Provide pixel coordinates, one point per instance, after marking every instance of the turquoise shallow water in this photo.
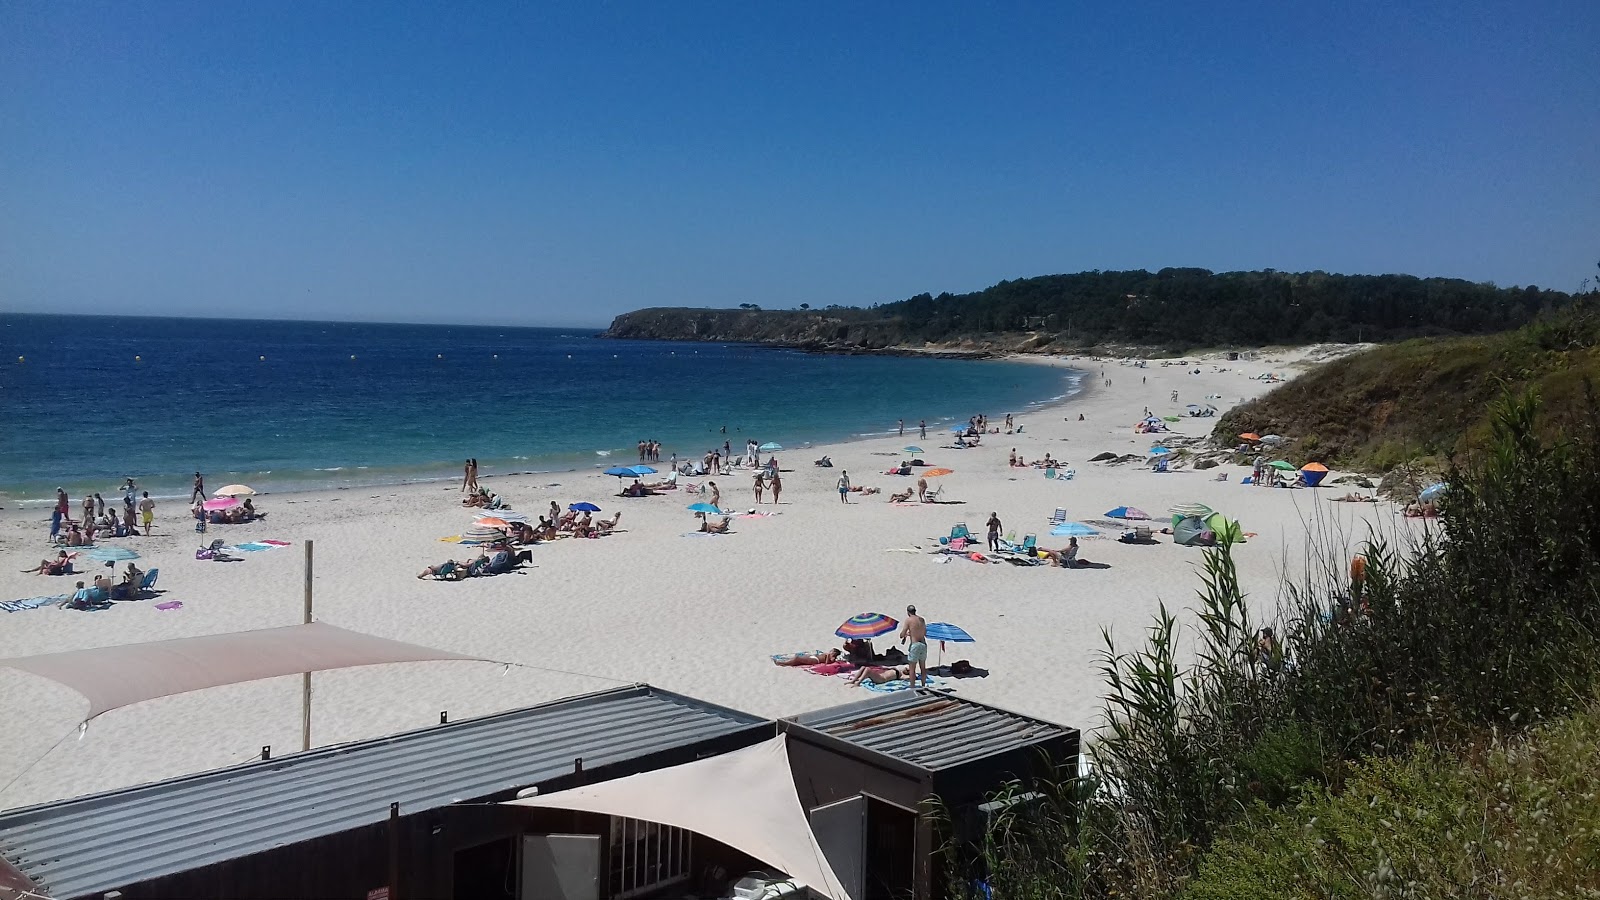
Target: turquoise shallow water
(85, 401)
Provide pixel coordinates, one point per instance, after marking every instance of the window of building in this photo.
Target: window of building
(646, 856)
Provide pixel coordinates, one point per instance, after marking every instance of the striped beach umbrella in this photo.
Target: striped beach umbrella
(866, 625)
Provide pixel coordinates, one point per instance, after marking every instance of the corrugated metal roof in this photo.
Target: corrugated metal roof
(928, 729)
(98, 843)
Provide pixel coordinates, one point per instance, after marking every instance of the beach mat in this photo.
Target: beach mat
(32, 602)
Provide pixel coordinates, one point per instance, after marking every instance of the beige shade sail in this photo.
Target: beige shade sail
(121, 675)
(745, 799)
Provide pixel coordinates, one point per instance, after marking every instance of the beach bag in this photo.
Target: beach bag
(961, 667)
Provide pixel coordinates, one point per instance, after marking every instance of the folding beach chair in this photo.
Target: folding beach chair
(934, 495)
(149, 582)
(960, 531)
(1030, 543)
(1059, 516)
(1050, 473)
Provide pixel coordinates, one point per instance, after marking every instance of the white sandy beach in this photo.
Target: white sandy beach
(696, 614)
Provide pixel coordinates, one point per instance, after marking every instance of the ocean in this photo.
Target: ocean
(88, 400)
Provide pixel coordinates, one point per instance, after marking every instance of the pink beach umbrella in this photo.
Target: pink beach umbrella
(220, 503)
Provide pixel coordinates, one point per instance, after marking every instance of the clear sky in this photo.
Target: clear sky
(534, 164)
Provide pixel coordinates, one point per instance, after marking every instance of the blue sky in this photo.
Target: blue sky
(534, 164)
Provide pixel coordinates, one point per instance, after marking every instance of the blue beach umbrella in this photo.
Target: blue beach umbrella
(1433, 491)
(1127, 512)
(112, 554)
(584, 506)
(1074, 529)
(704, 508)
(1159, 451)
(960, 429)
(911, 449)
(944, 631)
(642, 470)
(621, 471)
(770, 446)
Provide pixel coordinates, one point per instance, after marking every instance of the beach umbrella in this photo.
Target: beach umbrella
(493, 522)
(1314, 467)
(621, 471)
(866, 625)
(1433, 491)
(1159, 451)
(1272, 439)
(501, 516)
(912, 449)
(1074, 529)
(112, 554)
(1192, 509)
(235, 490)
(482, 535)
(937, 472)
(1250, 436)
(770, 447)
(945, 632)
(704, 508)
(1313, 473)
(583, 506)
(960, 429)
(1282, 464)
(220, 503)
(1127, 512)
(1169, 418)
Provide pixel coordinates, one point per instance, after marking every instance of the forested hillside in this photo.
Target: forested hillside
(1175, 309)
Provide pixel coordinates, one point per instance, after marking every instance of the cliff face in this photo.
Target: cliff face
(831, 331)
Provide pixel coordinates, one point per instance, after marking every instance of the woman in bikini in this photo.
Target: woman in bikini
(806, 659)
(881, 674)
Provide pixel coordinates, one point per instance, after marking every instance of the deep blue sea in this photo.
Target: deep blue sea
(88, 400)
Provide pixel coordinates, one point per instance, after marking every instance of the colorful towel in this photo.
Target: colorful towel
(31, 603)
(833, 668)
(170, 604)
(892, 686)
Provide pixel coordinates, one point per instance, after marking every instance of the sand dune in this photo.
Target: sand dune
(695, 614)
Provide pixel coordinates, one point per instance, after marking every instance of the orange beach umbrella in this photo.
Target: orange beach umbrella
(935, 473)
(1250, 436)
(1313, 467)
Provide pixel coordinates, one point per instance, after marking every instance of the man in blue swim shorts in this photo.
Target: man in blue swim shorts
(915, 630)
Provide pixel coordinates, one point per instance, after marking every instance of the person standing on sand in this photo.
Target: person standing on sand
(902, 427)
(994, 531)
(777, 485)
(88, 508)
(198, 493)
(58, 513)
(466, 475)
(844, 486)
(99, 506)
(758, 486)
(922, 490)
(915, 630)
(147, 510)
(922, 429)
(716, 494)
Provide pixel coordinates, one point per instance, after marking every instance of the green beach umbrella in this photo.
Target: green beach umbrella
(1283, 464)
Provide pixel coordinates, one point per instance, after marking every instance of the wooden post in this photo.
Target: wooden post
(305, 677)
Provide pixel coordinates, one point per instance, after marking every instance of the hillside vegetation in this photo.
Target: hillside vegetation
(1173, 309)
(1427, 397)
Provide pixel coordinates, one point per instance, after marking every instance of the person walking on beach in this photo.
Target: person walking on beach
(777, 485)
(902, 427)
(922, 429)
(758, 486)
(466, 475)
(99, 506)
(716, 494)
(88, 508)
(198, 494)
(147, 510)
(844, 486)
(58, 513)
(994, 532)
(915, 631)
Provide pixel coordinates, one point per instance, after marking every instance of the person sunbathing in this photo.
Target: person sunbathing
(61, 565)
(1066, 557)
(449, 570)
(719, 528)
(902, 497)
(807, 659)
(606, 526)
(1355, 498)
(881, 674)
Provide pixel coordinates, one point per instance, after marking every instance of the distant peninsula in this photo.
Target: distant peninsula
(1170, 310)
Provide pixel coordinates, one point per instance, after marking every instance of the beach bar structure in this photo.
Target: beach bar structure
(865, 771)
(409, 816)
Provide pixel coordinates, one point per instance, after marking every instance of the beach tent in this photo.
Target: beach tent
(1313, 473)
(745, 799)
(1227, 530)
(1187, 531)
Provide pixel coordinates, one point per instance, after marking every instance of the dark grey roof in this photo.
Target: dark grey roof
(105, 841)
(929, 729)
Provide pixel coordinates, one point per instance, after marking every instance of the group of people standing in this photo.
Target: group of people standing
(96, 519)
(650, 450)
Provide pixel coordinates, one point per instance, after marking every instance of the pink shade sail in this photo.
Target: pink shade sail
(220, 503)
(125, 674)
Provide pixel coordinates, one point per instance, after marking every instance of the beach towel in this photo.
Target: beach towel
(170, 604)
(32, 602)
(833, 668)
(780, 657)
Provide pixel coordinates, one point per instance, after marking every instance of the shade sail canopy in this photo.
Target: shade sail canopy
(125, 674)
(745, 799)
